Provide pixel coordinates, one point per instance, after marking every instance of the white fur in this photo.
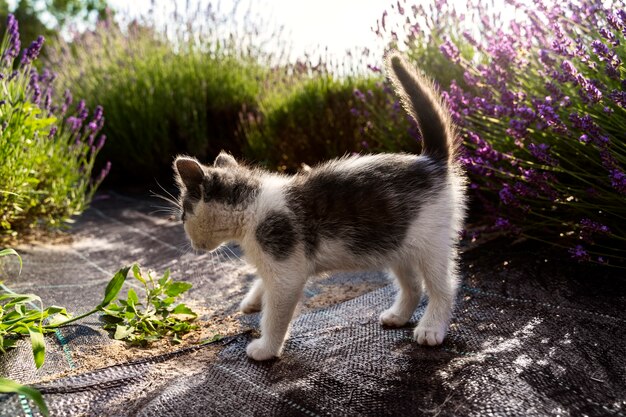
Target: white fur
(424, 261)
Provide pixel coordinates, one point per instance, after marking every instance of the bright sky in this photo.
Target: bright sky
(336, 24)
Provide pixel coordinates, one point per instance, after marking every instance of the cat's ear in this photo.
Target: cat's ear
(189, 171)
(225, 160)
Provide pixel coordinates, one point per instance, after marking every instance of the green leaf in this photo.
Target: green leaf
(9, 251)
(184, 310)
(57, 310)
(132, 297)
(39, 346)
(164, 278)
(9, 386)
(177, 288)
(215, 338)
(114, 286)
(7, 343)
(137, 274)
(58, 319)
(122, 332)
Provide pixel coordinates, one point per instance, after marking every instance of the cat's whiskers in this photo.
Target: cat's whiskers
(175, 208)
(234, 254)
(222, 252)
(213, 261)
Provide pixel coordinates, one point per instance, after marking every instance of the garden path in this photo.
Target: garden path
(533, 334)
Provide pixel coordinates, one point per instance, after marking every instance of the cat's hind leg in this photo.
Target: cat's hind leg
(408, 297)
(438, 267)
(253, 300)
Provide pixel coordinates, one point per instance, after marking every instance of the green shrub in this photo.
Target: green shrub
(47, 155)
(163, 97)
(319, 118)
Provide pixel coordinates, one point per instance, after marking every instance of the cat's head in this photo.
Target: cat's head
(213, 199)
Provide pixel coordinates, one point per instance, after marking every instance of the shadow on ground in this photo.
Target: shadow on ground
(533, 334)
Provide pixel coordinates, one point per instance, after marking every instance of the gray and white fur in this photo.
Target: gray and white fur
(397, 211)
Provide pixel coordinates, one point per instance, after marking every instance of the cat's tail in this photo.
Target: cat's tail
(422, 101)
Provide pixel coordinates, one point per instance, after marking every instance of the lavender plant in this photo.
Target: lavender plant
(47, 149)
(166, 90)
(540, 107)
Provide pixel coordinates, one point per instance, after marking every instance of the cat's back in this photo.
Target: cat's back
(367, 202)
(376, 173)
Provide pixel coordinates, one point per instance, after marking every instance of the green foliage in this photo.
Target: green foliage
(23, 314)
(9, 386)
(46, 164)
(20, 316)
(318, 118)
(162, 98)
(155, 316)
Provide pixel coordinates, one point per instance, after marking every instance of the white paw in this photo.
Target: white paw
(249, 306)
(430, 335)
(258, 351)
(391, 319)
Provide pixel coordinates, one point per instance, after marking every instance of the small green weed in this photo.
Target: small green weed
(23, 314)
(141, 322)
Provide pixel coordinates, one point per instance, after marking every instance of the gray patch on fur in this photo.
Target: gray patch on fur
(277, 235)
(233, 188)
(368, 208)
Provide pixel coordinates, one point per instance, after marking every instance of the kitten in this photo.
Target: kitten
(397, 211)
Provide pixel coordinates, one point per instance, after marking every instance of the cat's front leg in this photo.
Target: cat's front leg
(253, 301)
(279, 302)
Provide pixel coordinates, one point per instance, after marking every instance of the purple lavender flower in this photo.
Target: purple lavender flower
(400, 8)
(600, 49)
(53, 131)
(507, 196)
(541, 152)
(67, 101)
(503, 52)
(101, 142)
(569, 69)
(74, 123)
(609, 36)
(619, 97)
(470, 38)
(34, 87)
(32, 52)
(618, 180)
(359, 95)
(502, 223)
(589, 228)
(450, 51)
(13, 32)
(105, 171)
(579, 253)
